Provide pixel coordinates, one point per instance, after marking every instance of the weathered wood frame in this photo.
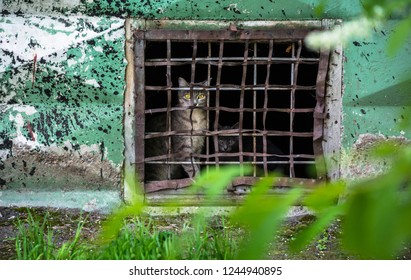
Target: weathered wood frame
(322, 115)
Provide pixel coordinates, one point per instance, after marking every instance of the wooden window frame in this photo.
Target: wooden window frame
(328, 83)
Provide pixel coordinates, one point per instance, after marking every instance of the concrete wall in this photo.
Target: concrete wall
(62, 73)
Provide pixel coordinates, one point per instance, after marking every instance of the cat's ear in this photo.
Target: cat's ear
(236, 126)
(205, 83)
(182, 82)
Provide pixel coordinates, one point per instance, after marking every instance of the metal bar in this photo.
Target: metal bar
(254, 107)
(233, 87)
(241, 120)
(294, 77)
(161, 158)
(193, 75)
(160, 61)
(140, 103)
(226, 63)
(193, 65)
(291, 116)
(169, 99)
(265, 110)
(217, 100)
(234, 110)
(208, 102)
(229, 162)
(212, 133)
(227, 35)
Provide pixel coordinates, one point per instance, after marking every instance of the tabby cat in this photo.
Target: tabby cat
(185, 145)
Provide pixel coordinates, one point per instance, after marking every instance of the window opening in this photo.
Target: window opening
(219, 97)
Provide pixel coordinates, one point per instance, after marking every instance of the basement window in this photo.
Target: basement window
(255, 96)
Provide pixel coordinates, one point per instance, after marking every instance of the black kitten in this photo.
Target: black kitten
(230, 144)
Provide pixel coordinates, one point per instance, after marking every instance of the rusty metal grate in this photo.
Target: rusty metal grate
(264, 80)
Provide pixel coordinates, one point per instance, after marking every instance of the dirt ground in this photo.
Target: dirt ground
(64, 223)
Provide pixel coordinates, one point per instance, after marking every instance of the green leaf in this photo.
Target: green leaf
(325, 196)
(112, 226)
(377, 222)
(385, 149)
(399, 37)
(263, 213)
(323, 220)
(215, 180)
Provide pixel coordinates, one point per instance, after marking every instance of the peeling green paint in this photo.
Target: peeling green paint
(191, 9)
(219, 10)
(376, 96)
(61, 108)
(78, 90)
(50, 29)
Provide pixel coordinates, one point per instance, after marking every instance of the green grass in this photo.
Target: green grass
(35, 241)
(140, 238)
(137, 240)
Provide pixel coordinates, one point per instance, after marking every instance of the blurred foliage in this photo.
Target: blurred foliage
(263, 213)
(197, 241)
(375, 13)
(112, 226)
(376, 213)
(397, 9)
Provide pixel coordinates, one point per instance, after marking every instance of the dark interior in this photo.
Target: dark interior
(280, 75)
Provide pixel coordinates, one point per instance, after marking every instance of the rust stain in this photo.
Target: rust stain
(34, 69)
(30, 131)
(233, 27)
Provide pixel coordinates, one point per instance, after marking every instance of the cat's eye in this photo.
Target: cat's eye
(201, 96)
(187, 96)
